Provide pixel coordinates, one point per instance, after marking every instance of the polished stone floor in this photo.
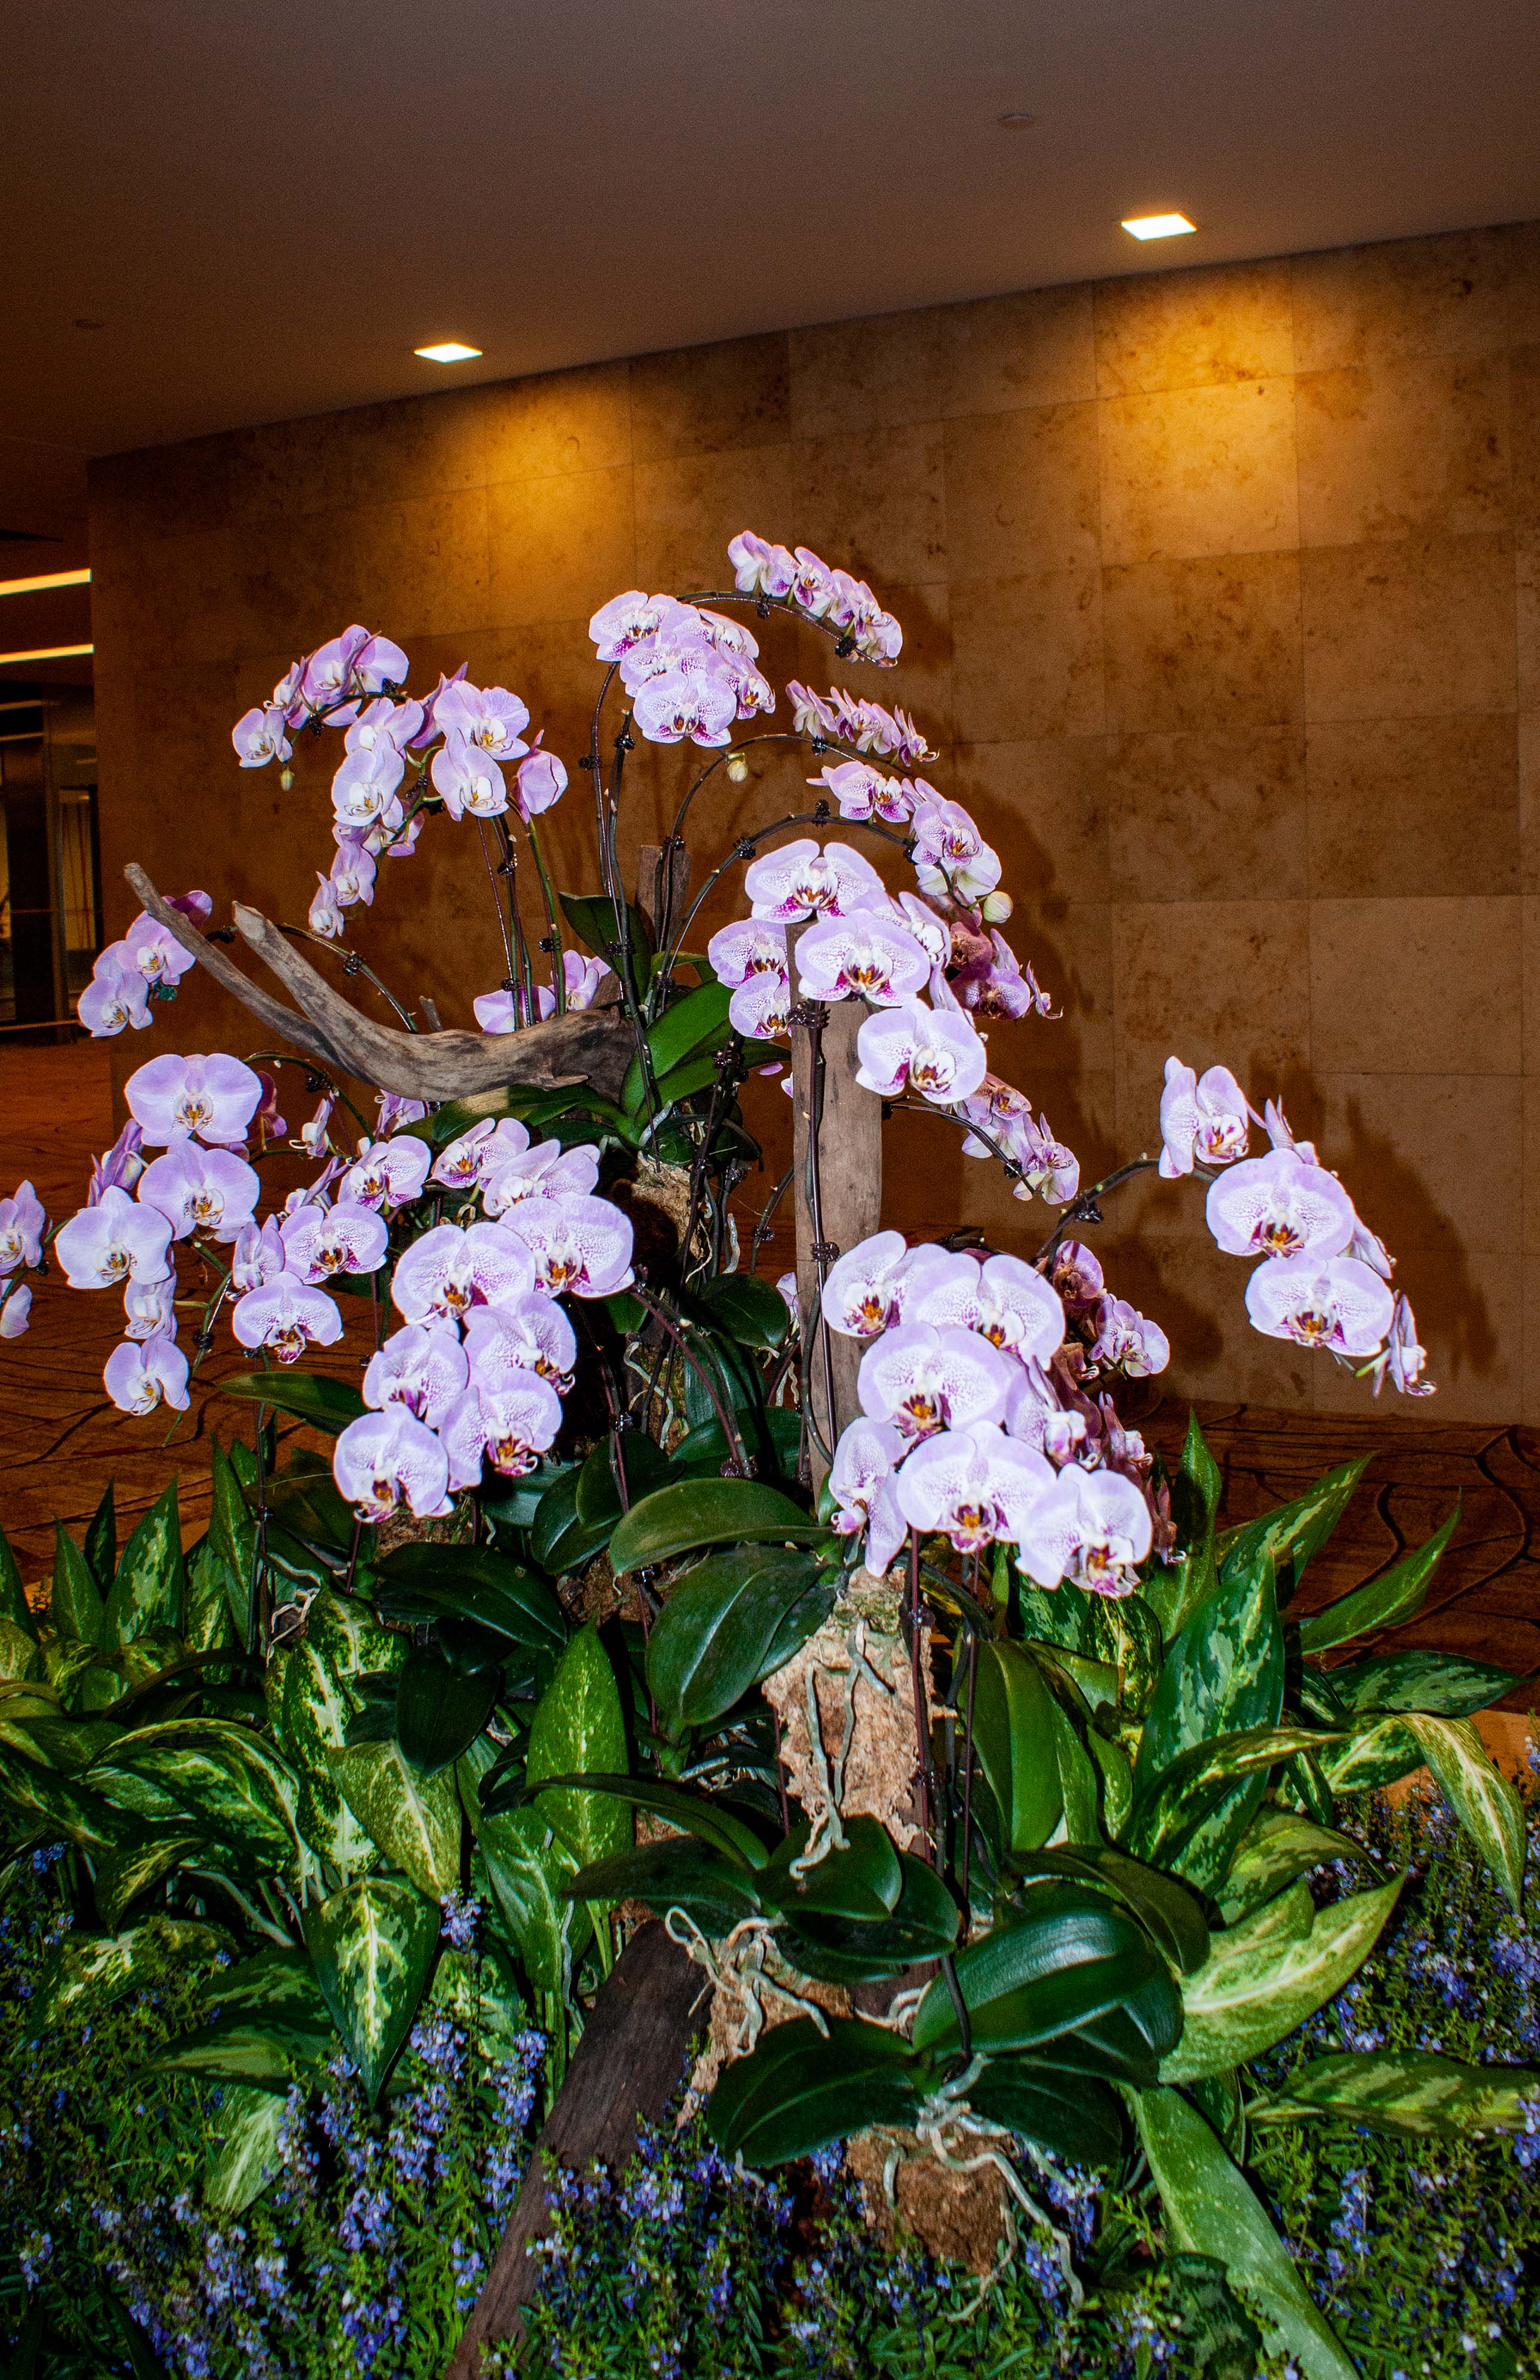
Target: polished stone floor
(60, 1438)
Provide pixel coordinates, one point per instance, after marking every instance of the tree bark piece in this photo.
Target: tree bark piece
(587, 1045)
(624, 2071)
(849, 1183)
(660, 899)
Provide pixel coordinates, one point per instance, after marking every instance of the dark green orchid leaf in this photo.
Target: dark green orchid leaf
(863, 1881)
(727, 1830)
(750, 1310)
(436, 1583)
(701, 1512)
(799, 2090)
(1013, 1738)
(923, 1924)
(721, 1631)
(1068, 1955)
(599, 1502)
(311, 1397)
(1072, 2116)
(1167, 1910)
(440, 1706)
(675, 1873)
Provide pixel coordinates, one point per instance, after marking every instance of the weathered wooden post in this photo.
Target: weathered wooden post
(839, 1199)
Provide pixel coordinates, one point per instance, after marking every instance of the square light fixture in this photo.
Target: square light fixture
(449, 351)
(1157, 226)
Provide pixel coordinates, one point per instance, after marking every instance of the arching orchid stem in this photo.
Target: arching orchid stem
(503, 922)
(316, 1074)
(815, 1018)
(737, 1452)
(727, 1075)
(968, 1777)
(353, 1553)
(558, 952)
(765, 1225)
(917, 1676)
(749, 744)
(1084, 1208)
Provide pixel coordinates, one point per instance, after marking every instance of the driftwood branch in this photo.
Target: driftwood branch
(623, 2072)
(591, 1045)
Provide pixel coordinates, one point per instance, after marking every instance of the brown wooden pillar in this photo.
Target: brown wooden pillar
(850, 1198)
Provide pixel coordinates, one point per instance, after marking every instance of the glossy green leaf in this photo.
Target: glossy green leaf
(209, 1623)
(277, 1986)
(1223, 1673)
(697, 1023)
(440, 1706)
(863, 1880)
(1168, 1818)
(708, 1512)
(700, 1815)
(1443, 1684)
(579, 1725)
(798, 2091)
(1015, 1741)
(1291, 1535)
(71, 1812)
(311, 1397)
(14, 1605)
(1263, 1977)
(701, 1452)
(1396, 1594)
(343, 1641)
(372, 1944)
(1211, 2210)
(1482, 1798)
(1174, 1590)
(257, 2057)
(750, 1310)
(123, 1875)
(244, 2152)
(923, 1925)
(102, 1541)
(1378, 1750)
(598, 1501)
(1165, 1908)
(1116, 1773)
(527, 1867)
(1277, 1846)
(1071, 2116)
(558, 1540)
(412, 1816)
(303, 1498)
(151, 1587)
(1411, 2092)
(76, 1608)
(428, 1582)
(674, 1872)
(1063, 1957)
(596, 921)
(226, 1781)
(104, 1967)
(716, 1635)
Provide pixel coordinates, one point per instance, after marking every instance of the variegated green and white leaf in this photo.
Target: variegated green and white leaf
(1263, 1977)
(526, 1866)
(1483, 1801)
(244, 2158)
(413, 1818)
(341, 1641)
(1407, 2091)
(579, 1730)
(372, 1945)
(227, 1781)
(1277, 1846)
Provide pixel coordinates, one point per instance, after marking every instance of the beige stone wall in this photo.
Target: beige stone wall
(1222, 593)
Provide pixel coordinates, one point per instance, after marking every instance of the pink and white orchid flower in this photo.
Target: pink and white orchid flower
(1403, 1357)
(1320, 1300)
(493, 720)
(510, 1428)
(1005, 1300)
(387, 1174)
(213, 1098)
(22, 1225)
(540, 781)
(974, 1484)
(863, 792)
(524, 1335)
(423, 1367)
(749, 947)
(447, 1271)
(116, 1240)
(761, 1009)
(923, 1380)
(154, 952)
(258, 1256)
(116, 997)
(1128, 1342)
(800, 880)
(1278, 1206)
(760, 568)
(286, 1315)
(1092, 1528)
(862, 1290)
(865, 1460)
(1001, 984)
(1077, 1276)
(910, 1047)
(389, 1459)
(16, 1310)
(1205, 1120)
(138, 1378)
(468, 779)
(510, 1173)
(866, 955)
(259, 736)
(580, 1246)
(201, 1189)
(149, 1309)
(681, 703)
(320, 1241)
(951, 855)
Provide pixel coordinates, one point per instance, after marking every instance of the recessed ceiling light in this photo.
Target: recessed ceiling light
(1015, 119)
(448, 351)
(1157, 226)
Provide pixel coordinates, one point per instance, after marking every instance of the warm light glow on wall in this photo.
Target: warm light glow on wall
(41, 585)
(449, 351)
(1157, 226)
(47, 653)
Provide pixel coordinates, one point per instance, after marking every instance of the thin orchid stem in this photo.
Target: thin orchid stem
(737, 1451)
(558, 952)
(922, 1747)
(354, 962)
(497, 911)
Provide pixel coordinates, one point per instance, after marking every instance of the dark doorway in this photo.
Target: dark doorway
(49, 875)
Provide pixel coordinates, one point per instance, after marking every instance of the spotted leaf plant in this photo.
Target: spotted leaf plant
(985, 1771)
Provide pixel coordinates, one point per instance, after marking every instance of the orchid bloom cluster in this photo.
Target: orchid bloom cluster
(356, 682)
(975, 1418)
(689, 673)
(1324, 1281)
(807, 585)
(147, 960)
(23, 1228)
(475, 1373)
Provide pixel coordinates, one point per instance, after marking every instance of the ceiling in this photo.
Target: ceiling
(217, 216)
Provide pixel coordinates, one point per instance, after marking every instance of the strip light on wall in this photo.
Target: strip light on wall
(47, 653)
(41, 585)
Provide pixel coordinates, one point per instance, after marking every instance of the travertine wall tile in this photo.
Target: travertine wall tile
(1392, 449)
(1199, 471)
(1414, 806)
(1449, 971)
(1208, 327)
(1395, 630)
(1238, 672)
(1209, 643)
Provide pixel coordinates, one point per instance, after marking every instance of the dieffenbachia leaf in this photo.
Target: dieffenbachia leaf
(1175, 1590)
(1384, 1602)
(76, 1606)
(372, 1945)
(1222, 1673)
(151, 1587)
(1263, 1977)
(341, 1641)
(244, 2153)
(1211, 2210)
(227, 1781)
(1277, 1846)
(527, 1864)
(1292, 1535)
(579, 1725)
(1408, 2090)
(413, 1818)
(1483, 1801)
(1446, 1685)
(1177, 1801)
